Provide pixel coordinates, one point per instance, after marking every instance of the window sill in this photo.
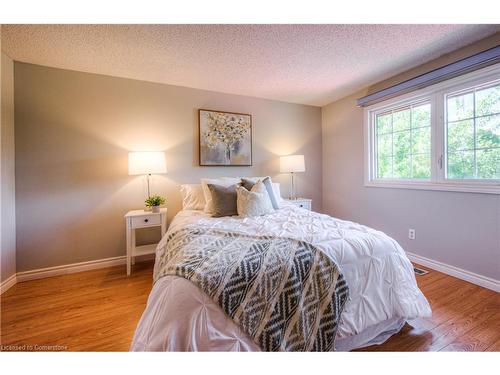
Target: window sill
(443, 186)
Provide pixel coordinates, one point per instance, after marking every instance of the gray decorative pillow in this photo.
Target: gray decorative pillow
(248, 184)
(223, 199)
(255, 202)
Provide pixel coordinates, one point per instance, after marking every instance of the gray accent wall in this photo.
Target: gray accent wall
(74, 131)
(7, 186)
(458, 229)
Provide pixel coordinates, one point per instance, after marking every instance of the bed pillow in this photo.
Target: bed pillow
(255, 202)
(223, 200)
(192, 197)
(248, 183)
(277, 192)
(227, 181)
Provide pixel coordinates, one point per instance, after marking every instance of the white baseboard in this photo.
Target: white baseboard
(75, 267)
(474, 278)
(8, 283)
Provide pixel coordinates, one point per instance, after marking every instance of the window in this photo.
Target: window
(443, 137)
(404, 142)
(473, 134)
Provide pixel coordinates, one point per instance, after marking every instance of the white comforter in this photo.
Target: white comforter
(380, 277)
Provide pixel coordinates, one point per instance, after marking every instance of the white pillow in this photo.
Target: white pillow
(192, 197)
(277, 192)
(226, 181)
(276, 188)
(255, 202)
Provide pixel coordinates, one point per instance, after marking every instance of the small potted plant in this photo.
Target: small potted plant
(155, 202)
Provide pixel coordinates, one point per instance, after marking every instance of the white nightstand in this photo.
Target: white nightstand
(301, 202)
(142, 219)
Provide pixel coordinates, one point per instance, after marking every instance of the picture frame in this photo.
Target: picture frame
(225, 138)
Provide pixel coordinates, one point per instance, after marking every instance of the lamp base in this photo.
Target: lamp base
(292, 187)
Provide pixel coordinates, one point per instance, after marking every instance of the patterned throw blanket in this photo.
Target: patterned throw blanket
(285, 294)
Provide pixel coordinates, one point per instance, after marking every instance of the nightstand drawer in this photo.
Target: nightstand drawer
(145, 221)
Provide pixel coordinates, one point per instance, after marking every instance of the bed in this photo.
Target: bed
(383, 293)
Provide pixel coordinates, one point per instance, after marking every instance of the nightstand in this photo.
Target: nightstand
(301, 202)
(142, 219)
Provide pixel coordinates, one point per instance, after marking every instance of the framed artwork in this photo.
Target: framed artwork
(225, 138)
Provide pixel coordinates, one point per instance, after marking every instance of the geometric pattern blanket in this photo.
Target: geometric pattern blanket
(285, 294)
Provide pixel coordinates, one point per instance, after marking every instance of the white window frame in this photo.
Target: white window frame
(436, 95)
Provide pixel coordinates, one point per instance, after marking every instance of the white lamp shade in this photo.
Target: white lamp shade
(292, 163)
(146, 162)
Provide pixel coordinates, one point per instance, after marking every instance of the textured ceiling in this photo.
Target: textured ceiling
(308, 64)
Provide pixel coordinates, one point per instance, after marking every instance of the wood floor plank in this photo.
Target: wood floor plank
(98, 311)
(465, 343)
(489, 330)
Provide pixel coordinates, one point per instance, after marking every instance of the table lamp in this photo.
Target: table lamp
(147, 163)
(292, 164)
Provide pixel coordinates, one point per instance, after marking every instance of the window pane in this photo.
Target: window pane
(384, 167)
(401, 120)
(488, 163)
(401, 143)
(401, 134)
(461, 164)
(384, 145)
(384, 124)
(421, 141)
(402, 168)
(421, 116)
(488, 132)
(461, 135)
(488, 101)
(421, 166)
(473, 144)
(460, 107)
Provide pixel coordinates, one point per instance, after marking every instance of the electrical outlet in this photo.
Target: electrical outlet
(411, 234)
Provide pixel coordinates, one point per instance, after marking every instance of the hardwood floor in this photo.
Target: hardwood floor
(88, 311)
(465, 317)
(98, 311)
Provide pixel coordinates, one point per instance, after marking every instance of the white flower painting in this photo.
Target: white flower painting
(225, 138)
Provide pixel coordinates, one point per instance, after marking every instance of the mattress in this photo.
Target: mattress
(383, 293)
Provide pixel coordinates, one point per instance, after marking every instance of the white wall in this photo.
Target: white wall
(8, 210)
